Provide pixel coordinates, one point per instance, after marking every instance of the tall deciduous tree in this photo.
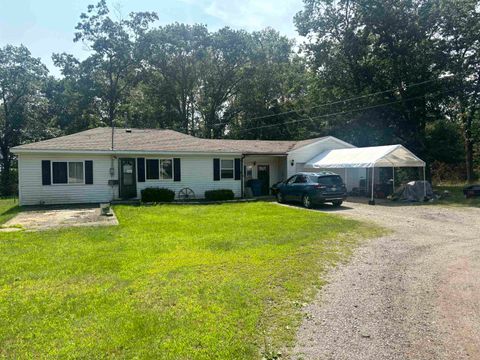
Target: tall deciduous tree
(113, 67)
(276, 84)
(174, 57)
(226, 66)
(459, 43)
(360, 47)
(21, 77)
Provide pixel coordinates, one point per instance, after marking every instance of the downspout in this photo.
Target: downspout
(112, 175)
(242, 176)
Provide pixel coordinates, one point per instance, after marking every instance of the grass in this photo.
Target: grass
(8, 209)
(456, 197)
(171, 282)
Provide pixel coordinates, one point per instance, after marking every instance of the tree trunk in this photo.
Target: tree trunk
(469, 157)
(468, 139)
(5, 181)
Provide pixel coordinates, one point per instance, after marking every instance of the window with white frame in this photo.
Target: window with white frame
(226, 169)
(156, 169)
(68, 172)
(166, 169)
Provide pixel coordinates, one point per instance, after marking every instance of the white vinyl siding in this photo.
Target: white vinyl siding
(32, 192)
(196, 174)
(304, 154)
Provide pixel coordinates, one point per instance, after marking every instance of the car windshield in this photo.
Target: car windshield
(330, 180)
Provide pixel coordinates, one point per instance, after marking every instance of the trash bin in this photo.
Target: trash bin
(256, 186)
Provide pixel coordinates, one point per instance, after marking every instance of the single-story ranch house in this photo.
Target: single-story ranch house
(99, 165)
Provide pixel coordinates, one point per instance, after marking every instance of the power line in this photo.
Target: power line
(343, 112)
(344, 100)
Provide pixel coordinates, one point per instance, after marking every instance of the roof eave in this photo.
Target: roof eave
(121, 152)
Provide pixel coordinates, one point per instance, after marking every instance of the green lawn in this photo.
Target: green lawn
(456, 197)
(171, 282)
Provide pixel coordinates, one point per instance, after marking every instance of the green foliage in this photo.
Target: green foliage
(156, 195)
(21, 103)
(174, 54)
(275, 84)
(365, 48)
(369, 47)
(219, 195)
(455, 196)
(447, 172)
(113, 68)
(459, 44)
(170, 282)
(444, 143)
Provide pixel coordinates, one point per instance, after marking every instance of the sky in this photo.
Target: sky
(47, 26)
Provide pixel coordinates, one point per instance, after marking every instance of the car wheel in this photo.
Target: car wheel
(307, 201)
(337, 203)
(280, 198)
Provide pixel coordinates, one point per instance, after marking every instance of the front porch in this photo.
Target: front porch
(262, 172)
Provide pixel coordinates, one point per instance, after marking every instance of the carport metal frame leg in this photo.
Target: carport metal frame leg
(372, 200)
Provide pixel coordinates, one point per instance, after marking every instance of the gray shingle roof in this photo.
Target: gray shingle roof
(153, 140)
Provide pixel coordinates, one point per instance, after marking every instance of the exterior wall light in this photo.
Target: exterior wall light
(292, 162)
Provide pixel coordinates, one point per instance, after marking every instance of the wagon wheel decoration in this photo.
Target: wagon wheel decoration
(186, 193)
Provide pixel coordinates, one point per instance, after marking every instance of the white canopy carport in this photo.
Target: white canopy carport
(367, 157)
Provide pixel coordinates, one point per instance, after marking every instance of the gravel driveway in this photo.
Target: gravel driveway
(414, 294)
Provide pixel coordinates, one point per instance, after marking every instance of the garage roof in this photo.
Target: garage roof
(366, 157)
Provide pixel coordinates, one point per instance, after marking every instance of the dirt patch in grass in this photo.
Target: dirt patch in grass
(50, 219)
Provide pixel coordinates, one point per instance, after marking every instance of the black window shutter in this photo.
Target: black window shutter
(216, 169)
(88, 172)
(46, 173)
(237, 169)
(177, 175)
(141, 169)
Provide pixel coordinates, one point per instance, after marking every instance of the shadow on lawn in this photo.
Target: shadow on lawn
(320, 207)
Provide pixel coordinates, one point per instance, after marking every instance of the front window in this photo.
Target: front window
(152, 169)
(166, 169)
(75, 172)
(159, 169)
(226, 169)
(64, 172)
